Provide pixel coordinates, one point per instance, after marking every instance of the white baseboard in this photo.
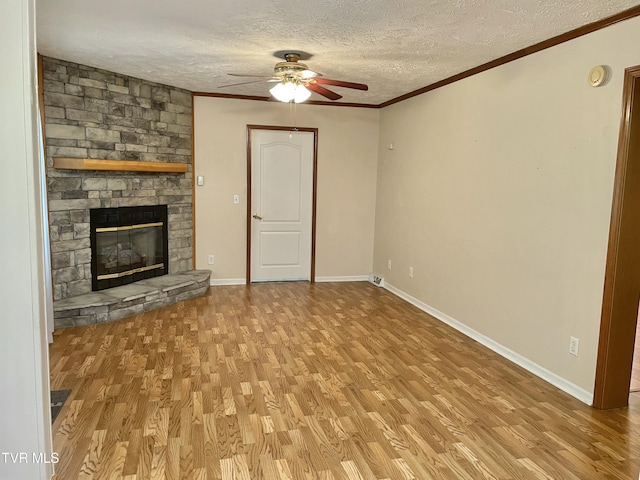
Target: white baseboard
(555, 380)
(357, 278)
(227, 281)
(242, 281)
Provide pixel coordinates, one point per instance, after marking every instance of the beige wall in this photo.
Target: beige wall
(347, 163)
(498, 193)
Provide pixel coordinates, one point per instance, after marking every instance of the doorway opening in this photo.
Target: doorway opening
(635, 369)
(281, 203)
(622, 276)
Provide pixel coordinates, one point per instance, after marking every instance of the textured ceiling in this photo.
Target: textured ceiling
(393, 46)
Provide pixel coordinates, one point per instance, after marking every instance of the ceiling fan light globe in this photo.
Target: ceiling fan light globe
(289, 91)
(302, 94)
(282, 92)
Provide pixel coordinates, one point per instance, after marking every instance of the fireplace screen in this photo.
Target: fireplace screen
(127, 244)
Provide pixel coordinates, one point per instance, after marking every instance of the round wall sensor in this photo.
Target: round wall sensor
(597, 76)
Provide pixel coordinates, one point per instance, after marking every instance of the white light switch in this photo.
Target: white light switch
(236, 199)
(200, 180)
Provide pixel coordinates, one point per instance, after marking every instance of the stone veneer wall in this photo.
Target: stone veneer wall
(92, 113)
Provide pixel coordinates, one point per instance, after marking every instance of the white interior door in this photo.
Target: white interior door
(281, 204)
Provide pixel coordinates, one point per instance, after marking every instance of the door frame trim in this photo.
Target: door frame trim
(250, 128)
(621, 282)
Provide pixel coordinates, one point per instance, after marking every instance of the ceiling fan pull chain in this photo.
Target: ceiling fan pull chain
(292, 116)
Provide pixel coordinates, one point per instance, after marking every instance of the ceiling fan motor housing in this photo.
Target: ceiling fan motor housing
(291, 68)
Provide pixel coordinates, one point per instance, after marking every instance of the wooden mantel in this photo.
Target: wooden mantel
(66, 163)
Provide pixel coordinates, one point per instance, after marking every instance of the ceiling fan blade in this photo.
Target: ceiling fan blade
(249, 75)
(340, 83)
(245, 83)
(310, 74)
(314, 87)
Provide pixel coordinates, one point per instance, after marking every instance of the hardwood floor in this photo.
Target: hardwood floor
(325, 381)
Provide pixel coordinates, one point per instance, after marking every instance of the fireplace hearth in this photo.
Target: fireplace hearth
(128, 244)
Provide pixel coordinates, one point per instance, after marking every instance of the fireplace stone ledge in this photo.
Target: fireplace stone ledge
(120, 302)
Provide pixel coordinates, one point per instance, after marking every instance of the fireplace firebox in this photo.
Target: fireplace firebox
(128, 244)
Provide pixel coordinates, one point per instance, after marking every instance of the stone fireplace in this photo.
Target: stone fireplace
(99, 116)
(120, 194)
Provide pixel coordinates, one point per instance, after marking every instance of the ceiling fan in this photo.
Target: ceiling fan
(295, 82)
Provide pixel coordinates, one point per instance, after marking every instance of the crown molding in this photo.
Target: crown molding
(271, 99)
(552, 42)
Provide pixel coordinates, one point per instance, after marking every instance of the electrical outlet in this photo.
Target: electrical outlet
(388, 264)
(212, 260)
(574, 345)
(410, 272)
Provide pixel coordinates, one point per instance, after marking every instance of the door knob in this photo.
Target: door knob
(257, 217)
